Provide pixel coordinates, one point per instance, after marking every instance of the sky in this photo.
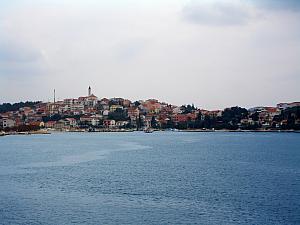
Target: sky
(212, 53)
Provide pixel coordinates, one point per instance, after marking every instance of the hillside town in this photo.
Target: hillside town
(90, 113)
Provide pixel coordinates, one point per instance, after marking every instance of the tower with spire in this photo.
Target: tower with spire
(89, 91)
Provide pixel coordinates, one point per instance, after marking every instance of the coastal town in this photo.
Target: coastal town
(90, 113)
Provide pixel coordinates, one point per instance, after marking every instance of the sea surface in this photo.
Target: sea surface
(157, 178)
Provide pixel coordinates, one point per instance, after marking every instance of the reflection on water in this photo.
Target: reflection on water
(67, 160)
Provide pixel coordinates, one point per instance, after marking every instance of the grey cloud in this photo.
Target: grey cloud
(216, 14)
(18, 58)
(19, 69)
(292, 5)
(12, 51)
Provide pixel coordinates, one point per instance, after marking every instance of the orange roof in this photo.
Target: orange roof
(271, 109)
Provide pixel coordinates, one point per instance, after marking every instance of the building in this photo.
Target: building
(109, 123)
(121, 123)
(133, 112)
(90, 120)
(7, 123)
(115, 107)
(152, 106)
(284, 106)
(50, 124)
(71, 122)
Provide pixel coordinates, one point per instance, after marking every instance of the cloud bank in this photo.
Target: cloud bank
(210, 53)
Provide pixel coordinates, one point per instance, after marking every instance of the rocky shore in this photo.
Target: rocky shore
(25, 133)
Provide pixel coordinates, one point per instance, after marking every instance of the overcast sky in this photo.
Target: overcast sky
(214, 54)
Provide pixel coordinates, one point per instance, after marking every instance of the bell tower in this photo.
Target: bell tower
(89, 91)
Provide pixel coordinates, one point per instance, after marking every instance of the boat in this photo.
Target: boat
(24, 133)
(148, 130)
(91, 129)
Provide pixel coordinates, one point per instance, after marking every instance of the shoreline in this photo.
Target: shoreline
(44, 132)
(245, 131)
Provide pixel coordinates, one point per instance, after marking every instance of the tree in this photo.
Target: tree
(139, 122)
(232, 116)
(136, 103)
(153, 122)
(291, 115)
(187, 109)
(55, 117)
(7, 107)
(118, 115)
(255, 116)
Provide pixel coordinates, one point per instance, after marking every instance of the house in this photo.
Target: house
(90, 120)
(104, 107)
(71, 101)
(71, 122)
(18, 121)
(53, 108)
(152, 106)
(121, 123)
(133, 112)
(216, 113)
(77, 107)
(95, 122)
(115, 107)
(35, 123)
(109, 123)
(7, 123)
(59, 125)
(177, 118)
(26, 111)
(105, 113)
(89, 101)
(192, 116)
(104, 101)
(50, 124)
(273, 111)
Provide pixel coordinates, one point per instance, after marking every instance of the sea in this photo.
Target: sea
(150, 178)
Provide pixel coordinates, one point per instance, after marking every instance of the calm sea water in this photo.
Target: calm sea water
(158, 178)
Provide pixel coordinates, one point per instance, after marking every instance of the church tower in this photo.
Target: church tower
(89, 91)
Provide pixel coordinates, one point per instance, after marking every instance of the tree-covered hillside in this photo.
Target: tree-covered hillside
(7, 107)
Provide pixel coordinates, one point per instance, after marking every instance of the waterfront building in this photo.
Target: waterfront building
(109, 123)
(7, 123)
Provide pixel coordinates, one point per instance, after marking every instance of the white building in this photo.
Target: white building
(7, 123)
(283, 106)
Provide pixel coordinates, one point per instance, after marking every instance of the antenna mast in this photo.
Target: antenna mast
(54, 95)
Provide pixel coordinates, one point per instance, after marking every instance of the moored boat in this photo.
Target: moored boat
(148, 130)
